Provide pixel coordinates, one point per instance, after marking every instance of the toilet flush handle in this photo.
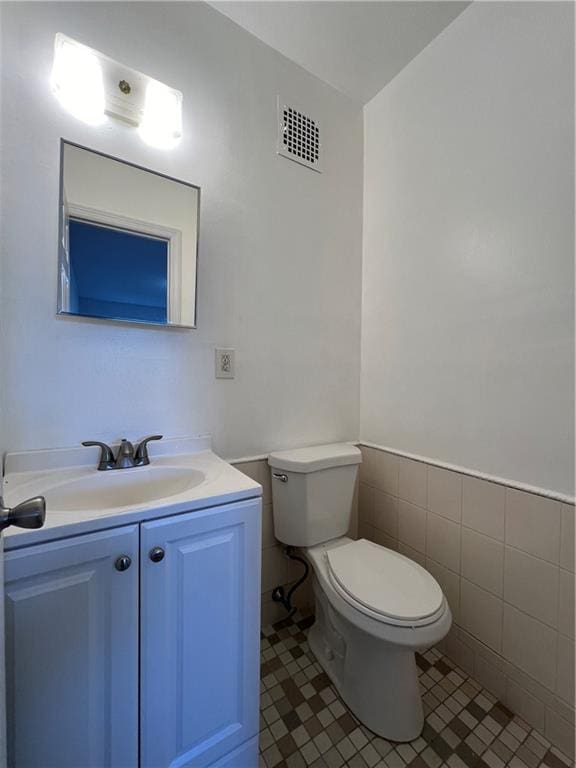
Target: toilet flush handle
(282, 478)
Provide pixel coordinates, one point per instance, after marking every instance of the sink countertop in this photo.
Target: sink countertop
(35, 473)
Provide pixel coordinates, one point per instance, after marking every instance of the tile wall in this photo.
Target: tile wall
(505, 560)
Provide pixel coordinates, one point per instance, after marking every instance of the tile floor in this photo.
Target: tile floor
(305, 723)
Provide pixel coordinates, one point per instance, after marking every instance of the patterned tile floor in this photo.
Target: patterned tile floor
(305, 723)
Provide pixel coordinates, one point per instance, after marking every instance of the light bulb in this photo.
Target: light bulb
(77, 80)
(161, 124)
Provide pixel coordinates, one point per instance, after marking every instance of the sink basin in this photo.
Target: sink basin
(121, 488)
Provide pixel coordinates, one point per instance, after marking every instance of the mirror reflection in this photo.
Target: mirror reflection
(128, 241)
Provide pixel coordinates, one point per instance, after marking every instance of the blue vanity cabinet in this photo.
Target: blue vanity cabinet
(200, 635)
(72, 652)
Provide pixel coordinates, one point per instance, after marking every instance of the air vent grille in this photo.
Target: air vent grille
(298, 136)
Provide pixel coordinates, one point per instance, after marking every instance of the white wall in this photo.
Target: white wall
(280, 246)
(467, 339)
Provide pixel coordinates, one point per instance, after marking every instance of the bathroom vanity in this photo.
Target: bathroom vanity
(133, 631)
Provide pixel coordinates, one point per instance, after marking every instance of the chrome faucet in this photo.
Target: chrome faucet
(126, 457)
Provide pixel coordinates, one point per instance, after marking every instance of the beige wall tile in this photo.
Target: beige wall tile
(277, 568)
(365, 531)
(379, 469)
(528, 683)
(483, 561)
(533, 524)
(459, 652)
(365, 504)
(247, 468)
(412, 484)
(304, 596)
(386, 513)
(565, 676)
(413, 554)
(268, 539)
(445, 493)
(367, 471)
(531, 584)
(384, 540)
(519, 701)
(559, 732)
(483, 506)
(480, 649)
(386, 472)
(481, 614)
(490, 677)
(272, 612)
(450, 584)
(260, 472)
(566, 603)
(443, 541)
(565, 710)
(530, 645)
(266, 482)
(567, 537)
(412, 525)
(353, 526)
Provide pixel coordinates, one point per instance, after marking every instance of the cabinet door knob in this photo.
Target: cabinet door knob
(123, 563)
(156, 554)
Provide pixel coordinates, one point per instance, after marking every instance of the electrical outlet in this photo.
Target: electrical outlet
(225, 363)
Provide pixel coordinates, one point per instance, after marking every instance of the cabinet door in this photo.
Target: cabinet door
(200, 634)
(72, 653)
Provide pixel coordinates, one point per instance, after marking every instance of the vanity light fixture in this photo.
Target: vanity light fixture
(92, 87)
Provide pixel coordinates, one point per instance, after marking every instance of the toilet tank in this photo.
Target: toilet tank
(313, 492)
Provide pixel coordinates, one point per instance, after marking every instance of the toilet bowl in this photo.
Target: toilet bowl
(368, 650)
(374, 607)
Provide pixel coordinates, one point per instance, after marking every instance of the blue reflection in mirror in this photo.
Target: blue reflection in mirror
(116, 273)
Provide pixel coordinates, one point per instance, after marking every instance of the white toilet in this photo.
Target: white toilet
(374, 607)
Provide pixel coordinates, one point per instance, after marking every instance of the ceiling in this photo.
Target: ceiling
(355, 46)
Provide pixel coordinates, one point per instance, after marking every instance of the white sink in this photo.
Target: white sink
(183, 476)
(118, 488)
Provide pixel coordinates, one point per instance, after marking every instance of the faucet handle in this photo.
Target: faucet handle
(106, 454)
(28, 514)
(141, 457)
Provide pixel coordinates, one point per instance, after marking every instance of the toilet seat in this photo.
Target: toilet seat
(384, 584)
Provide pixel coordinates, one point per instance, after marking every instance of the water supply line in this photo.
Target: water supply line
(279, 594)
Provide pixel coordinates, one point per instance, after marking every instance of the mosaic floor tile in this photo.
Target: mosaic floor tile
(305, 723)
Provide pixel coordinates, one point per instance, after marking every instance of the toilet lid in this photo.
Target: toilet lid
(384, 581)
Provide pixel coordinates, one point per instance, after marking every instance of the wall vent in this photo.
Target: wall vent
(298, 136)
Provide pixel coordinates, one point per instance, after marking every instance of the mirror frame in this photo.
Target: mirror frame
(61, 225)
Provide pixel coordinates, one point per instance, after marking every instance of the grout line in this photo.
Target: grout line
(528, 554)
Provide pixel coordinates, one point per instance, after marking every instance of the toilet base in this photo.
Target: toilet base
(377, 680)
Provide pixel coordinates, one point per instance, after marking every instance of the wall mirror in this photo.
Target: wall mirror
(128, 241)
